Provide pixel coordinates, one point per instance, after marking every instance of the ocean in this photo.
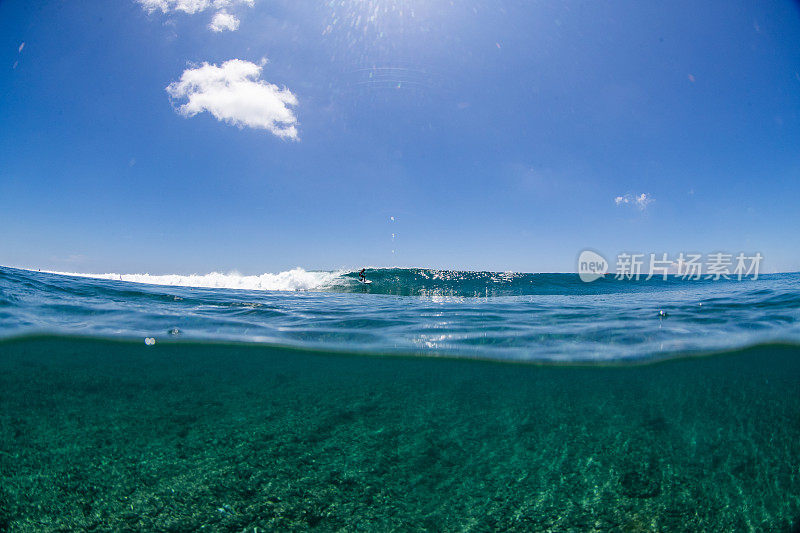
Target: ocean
(426, 400)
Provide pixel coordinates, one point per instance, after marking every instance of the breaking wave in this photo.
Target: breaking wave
(297, 279)
(422, 282)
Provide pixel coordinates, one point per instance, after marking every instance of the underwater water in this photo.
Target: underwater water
(427, 400)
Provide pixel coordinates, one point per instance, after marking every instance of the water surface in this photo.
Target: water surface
(353, 408)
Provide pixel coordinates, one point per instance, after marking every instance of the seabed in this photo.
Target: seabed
(100, 435)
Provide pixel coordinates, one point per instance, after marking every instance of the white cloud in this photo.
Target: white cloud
(234, 93)
(224, 21)
(167, 6)
(641, 201)
(19, 51)
(189, 6)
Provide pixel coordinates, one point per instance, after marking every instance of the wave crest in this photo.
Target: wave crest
(297, 279)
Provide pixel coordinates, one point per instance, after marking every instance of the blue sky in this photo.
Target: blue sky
(497, 134)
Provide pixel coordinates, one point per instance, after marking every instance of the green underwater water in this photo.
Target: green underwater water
(113, 435)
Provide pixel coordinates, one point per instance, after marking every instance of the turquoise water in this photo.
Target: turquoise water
(501, 316)
(345, 407)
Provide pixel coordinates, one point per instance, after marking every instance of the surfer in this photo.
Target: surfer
(361, 276)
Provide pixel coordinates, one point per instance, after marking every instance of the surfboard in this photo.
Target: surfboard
(365, 281)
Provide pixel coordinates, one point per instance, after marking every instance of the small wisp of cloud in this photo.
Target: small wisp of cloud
(189, 6)
(223, 21)
(19, 51)
(640, 201)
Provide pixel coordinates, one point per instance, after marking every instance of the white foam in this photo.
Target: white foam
(297, 279)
